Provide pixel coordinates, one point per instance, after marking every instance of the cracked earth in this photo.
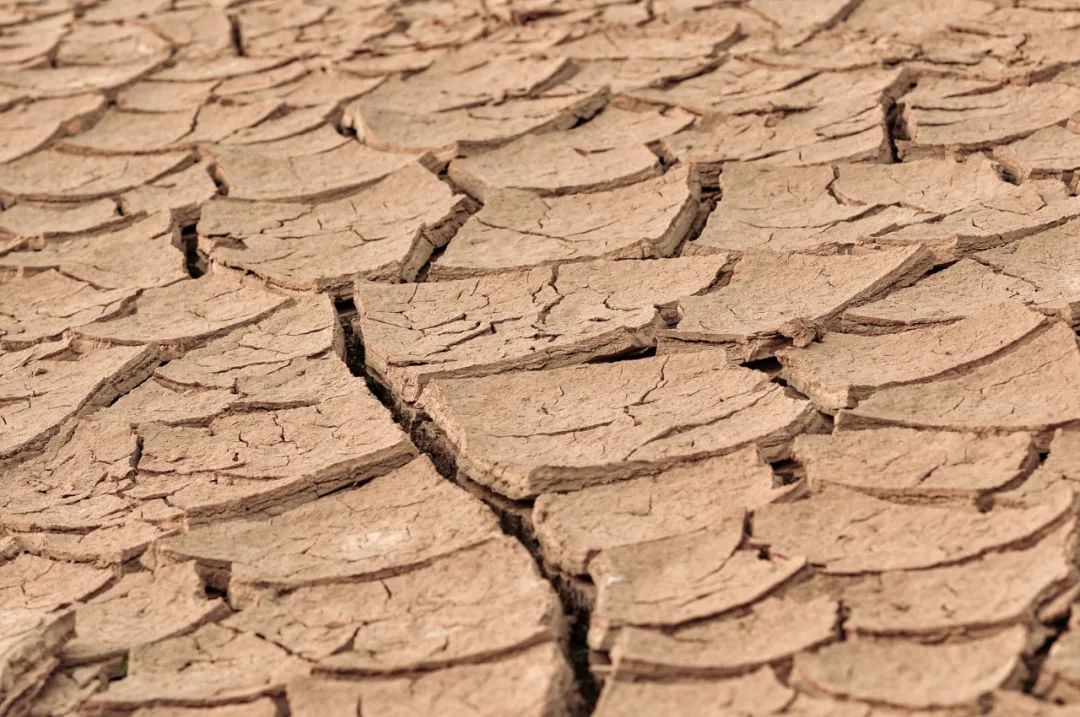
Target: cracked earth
(539, 358)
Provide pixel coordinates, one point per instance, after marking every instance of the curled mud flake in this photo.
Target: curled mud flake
(52, 175)
(210, 667)
(49, 220)
(29, 646)
(608, 152)
(541, 318)
(44, 386)
(939, 120)
(469, 606)
(577, 527)
(250, 174)
(672, 581)
(880, 536)
(141, 255)
(995, 590)
(27, 127)
(913, 675)
(908, 464)
(460, 132)
(943, 297)
(141, 608)
(843, 369)
(185, 314)
(1028, 388)
(531, 682)
(34, 583)
(773, 298)
(522, 434)
(518, 229)
(758, 692)
(182, 194)
(407, 518)
(384, 232)
(953, 208)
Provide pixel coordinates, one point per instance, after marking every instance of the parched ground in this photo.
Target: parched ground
(539, 358)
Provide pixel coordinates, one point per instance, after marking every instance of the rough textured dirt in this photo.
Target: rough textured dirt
(540, 358)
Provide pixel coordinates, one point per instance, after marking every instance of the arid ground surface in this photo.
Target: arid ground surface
(540, 358)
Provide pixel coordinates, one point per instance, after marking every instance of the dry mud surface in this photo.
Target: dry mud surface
(539, 358)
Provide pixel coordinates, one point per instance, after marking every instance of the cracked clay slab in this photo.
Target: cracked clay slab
(542, 318)
(526, 433)
(912, 675)
(904, 463)
(668, 582)
(51, 175)
(881, 536)
(775, 298)
(1028, 388)
(842, 369)
(576, 528)
(401, 520)
(468, 606)
(384, 232)
(519, 229)
(29, 643)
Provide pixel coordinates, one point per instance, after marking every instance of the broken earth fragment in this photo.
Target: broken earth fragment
(773, 299)
(843, 369)
(910, 464)
(518, 229)
(543, 318)
(577, 527)
(384, 232)
(526, 433)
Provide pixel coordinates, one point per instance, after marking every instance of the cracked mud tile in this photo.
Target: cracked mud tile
(518, 230)
(527, 433)
(264, 707)
(469, 606)
(541, 318)
(908, 464)
(461, 132)
(754, 694)
(607, 152)
(771, 631)
(288, 359)
(953, 208)
(533, 682)
(164, 98)
(398, 522)
(385, 232)
(29, 645)
(912, 675)
(44, 305)
(1050, 152)
(30, 582)
(996, 590)
(44, 386)
(182, 194)
(51, 175)
(672, 581)
(1059, 677)
(210, 667)
(250, 174)
(30, 125)
(185, 314)
(311, 86)
(141, 255)
(140, 609)
(576, 528)
(775, 299)
(1028, 388)
(220, 68)
(842, 369)
(66, 691)
(880, 536)
(943, 116)
(1008, 703)
(946, 296)
(1044, 263)
(50, 220)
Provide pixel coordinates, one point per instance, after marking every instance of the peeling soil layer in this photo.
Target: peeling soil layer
(539, 358)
